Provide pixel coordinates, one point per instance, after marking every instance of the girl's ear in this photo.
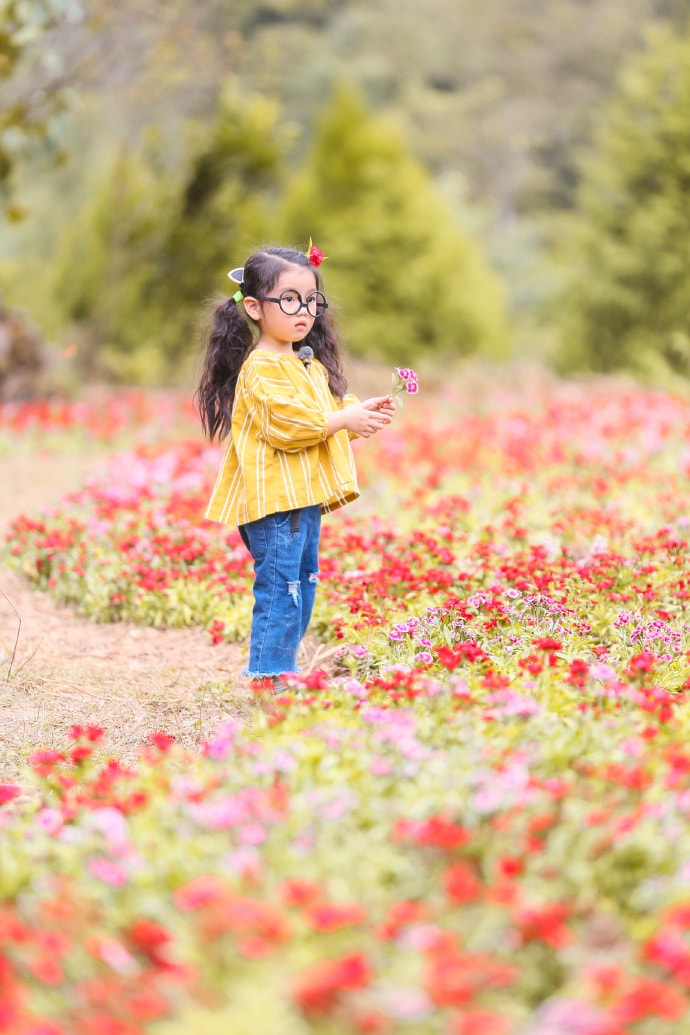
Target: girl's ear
(252, 308)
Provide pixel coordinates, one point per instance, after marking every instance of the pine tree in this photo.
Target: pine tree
(405, 278)
(627, 297)
(151, 248)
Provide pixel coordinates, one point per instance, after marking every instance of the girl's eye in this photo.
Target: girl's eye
(288, 297)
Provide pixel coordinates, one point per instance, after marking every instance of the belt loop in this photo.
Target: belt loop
(295, 520)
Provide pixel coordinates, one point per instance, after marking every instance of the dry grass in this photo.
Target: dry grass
(57, 669)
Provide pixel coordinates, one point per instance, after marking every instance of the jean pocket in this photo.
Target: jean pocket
(256, 538)
(289, 521)
(281, 518)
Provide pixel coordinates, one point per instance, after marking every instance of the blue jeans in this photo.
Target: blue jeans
(285, 548)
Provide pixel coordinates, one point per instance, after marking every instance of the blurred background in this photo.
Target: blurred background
(501, 180)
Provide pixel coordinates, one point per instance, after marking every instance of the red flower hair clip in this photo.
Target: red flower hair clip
(315, 255)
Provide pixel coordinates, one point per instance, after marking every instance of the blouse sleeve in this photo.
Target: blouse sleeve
(287, 418)
(348, 400)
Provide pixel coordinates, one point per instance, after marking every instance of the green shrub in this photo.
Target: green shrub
(405, 277)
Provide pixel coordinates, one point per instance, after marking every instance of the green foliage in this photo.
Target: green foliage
(104, 264)
(149, 246)
(496, 98)
(503, 93)
(33, 94)
(220, 215)
(627, 298)
(405, 277)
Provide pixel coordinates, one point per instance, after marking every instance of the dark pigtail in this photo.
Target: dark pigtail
(228, 339)
(323, 338)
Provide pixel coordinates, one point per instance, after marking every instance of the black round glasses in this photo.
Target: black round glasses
(291, 302)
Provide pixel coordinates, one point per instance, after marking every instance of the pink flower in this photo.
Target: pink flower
(50, 820)
(252, 834)
(108, 871)
(404, 380)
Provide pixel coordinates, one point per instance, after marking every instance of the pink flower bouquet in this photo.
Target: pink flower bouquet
(404, 380)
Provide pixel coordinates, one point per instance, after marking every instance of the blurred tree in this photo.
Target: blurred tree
(406, 278)
(149, 246)
(503, 93)
(627, 300)
(104, 262)
(221, 212)
(34, 92)
(495, 99)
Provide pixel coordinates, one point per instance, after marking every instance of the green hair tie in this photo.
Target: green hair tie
(238, 297)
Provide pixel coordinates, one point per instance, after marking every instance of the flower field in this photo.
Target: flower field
(477, 822)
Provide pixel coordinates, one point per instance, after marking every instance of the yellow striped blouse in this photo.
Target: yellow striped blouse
(279, 455)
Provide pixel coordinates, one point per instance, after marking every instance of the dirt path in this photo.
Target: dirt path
(57, 669)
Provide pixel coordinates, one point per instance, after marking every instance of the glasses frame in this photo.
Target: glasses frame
(302, 305)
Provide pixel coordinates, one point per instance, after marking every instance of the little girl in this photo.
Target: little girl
(272, 380)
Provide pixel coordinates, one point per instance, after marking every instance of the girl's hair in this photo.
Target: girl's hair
(231, 336)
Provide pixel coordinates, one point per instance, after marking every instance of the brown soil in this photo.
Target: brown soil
(57, 669)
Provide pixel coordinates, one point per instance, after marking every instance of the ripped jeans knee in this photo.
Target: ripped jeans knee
(285, 556)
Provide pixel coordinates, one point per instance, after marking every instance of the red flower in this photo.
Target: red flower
(147, 1003)
(150, 938)
(163, 741)
(254, 947)
(317, 989)
(545, 924)
(453, 978)
(92, 733)
(8, 792)
(315, 255)
(200, 891)
(43, 761)
(605, 978)
(299, 892)
(46, 970)
(650, 998)
(329, 916)
(398, 915)
(47, 757)
(461, 883)
(548, 643)
(371, 1022)
(246, 916)
(641, 663)
(450, 659)
(510, 866)
(40, 1028)
(481, 1022)
(80, 753)
(436, 831)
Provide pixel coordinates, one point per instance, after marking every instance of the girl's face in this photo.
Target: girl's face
(278, 329)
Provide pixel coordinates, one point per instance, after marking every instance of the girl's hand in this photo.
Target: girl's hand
(361, 418)
(382, 403)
